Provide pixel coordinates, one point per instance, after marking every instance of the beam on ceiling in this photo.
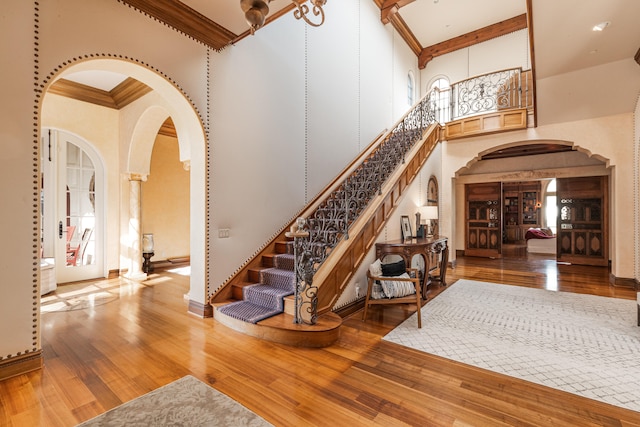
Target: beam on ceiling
(389, 8)
(487, 33)
(186, 20)
(405, 32)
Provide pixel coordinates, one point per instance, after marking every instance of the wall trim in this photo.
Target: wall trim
(624, 282)
(201, 310)
(19, 365)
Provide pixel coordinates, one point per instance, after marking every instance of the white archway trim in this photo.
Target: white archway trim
(142, 139)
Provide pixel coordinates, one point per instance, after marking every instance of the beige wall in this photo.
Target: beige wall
(165, 201)
(609, 139)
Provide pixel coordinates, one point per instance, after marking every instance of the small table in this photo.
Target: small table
(147, 267)
(429, 248)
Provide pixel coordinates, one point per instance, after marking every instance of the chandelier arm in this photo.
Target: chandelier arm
(303, 10)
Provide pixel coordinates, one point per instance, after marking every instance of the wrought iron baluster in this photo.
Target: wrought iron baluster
(330, 222)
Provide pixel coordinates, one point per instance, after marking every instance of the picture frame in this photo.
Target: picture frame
(405, 226)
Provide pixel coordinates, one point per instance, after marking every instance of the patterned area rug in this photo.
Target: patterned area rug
(185, 402)
(583, 344)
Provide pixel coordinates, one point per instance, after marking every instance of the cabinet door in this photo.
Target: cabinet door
(483, 220)
(583, 220)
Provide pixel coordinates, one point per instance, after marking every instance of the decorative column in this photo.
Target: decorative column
(135, 229)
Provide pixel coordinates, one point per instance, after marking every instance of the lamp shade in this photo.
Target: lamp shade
(430, 212)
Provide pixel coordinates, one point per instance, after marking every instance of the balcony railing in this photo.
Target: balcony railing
(488, 93)
(322, 230)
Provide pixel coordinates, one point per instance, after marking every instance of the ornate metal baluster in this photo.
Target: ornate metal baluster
(315, 237)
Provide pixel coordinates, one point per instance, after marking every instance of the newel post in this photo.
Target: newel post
(305, 294)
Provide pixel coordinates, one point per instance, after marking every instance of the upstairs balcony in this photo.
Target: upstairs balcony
(493, 102)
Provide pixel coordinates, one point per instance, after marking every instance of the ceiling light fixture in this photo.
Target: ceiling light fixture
(601, 26)
(256, 11)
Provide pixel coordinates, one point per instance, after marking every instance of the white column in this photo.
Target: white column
(135, 228)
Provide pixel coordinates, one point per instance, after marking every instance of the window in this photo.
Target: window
(551, 207)
(443, 98)
(410, 89)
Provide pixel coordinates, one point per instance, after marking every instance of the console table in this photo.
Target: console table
(433, 250)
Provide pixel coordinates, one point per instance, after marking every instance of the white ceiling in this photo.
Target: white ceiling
(105, 80)
(435, 21)
(563, 38)
(565, 42)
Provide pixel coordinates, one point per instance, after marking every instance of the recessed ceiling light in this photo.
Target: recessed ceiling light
(601, 26)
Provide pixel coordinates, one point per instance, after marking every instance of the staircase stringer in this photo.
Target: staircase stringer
(338, 269)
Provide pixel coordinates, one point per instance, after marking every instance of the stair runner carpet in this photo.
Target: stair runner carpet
(265, 299)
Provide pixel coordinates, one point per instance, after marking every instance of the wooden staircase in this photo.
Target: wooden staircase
(280, 328)
(336, 272)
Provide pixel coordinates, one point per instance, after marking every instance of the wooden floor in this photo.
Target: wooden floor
(100, 357)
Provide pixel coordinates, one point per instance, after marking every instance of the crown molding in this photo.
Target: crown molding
(120, 96)
(186, 20)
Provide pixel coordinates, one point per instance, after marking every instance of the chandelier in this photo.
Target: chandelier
(255, 12)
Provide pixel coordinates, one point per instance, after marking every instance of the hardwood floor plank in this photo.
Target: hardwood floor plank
(101, 356)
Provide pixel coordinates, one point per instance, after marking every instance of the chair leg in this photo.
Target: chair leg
(419, 304)
(366, 299)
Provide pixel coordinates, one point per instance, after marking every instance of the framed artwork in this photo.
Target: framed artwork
(405, 226)
(432, 191)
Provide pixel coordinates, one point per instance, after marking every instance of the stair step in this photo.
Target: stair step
(283, 279)
(255, 274)
(267, 296)
(281, 329)
(237, 289)
(269, 260)
(284, 247)
(284, 261)
(247, 312)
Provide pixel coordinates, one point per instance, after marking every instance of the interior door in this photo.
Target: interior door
(76, 202)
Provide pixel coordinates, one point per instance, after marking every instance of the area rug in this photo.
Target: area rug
(185, 402)
(582, 344)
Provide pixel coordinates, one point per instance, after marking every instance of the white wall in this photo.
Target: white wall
(290, 108)
(508, 51)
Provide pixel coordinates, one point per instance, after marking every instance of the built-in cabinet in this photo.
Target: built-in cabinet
(582, 220)
(498, 213)
(522, 203)
(484, 219)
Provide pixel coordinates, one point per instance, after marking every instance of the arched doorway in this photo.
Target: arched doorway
(126, 161)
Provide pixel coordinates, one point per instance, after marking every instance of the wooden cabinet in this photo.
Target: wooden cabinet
(582, 220)
(483, 220)
(522, 203)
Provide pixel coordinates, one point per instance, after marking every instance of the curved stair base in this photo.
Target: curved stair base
(281, 329)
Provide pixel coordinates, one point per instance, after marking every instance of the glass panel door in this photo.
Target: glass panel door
(78, 210)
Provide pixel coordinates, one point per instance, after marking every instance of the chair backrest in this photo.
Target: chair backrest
(70, 230)
(86, 235)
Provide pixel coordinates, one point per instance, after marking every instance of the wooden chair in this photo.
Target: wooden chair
(75, 254)
(409, 299)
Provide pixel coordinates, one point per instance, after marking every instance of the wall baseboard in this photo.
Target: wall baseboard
(351, 308)
(200, 310)
(623, 282)
(19, 365)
